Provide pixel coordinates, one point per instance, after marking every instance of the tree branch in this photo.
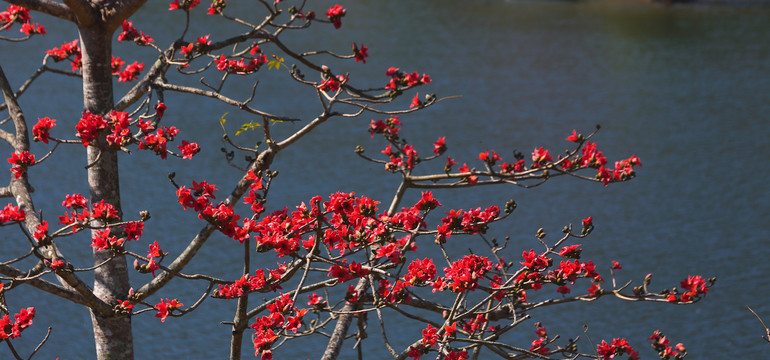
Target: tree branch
(49, 7)
(44, 285)
(262, 163)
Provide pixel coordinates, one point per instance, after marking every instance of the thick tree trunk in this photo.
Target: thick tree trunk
(112, 335)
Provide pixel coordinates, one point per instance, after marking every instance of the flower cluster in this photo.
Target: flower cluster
(360, 53)
(75, 202)
(694, 287)
(103, 239)
(332, 83)
(539, 344)
(88, 127)
(68, 51)
(262, 280)
(335, 14)
(130, 33)
(661, 344)
(284, 317)
(18, 14)
(12, 213)
(389, 128)
(119, 123)
(470, 221)
(464, 274)
(221, 215)
(152, 265)
(240, 66)
(184, 5)
(165, 307)
(12, 329)
(216, 7)
(131, 72)
(401, 79)
(157, 141)
(189, 49)
(615, 349)
(41, 129)
(20, 161)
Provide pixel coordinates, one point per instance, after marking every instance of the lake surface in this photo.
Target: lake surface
(685, 88)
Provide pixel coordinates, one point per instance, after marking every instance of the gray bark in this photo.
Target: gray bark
(112, 334)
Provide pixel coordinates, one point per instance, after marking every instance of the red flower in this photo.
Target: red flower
(12, 213)
(361, 54)
(130, 33)
(588, 222)
(188, 149)
(41, 129)
(133, 230)
(335, 14)
(20, 161)
(104, 211)
(616, 265)
(131, 73)
(184, 5)
(332, 84)
(416, 101)
(595, 289)
(429, 336)
(76, 200)
(538, 346)
(571, 252)
(32, 29)
(165, 306)
(574, 137)
(103, 240)
(540, 156)
(216, 7)
(439, 147)
(427, 202)
(88, 127)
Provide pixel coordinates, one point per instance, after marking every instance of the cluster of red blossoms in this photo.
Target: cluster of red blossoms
(335, 14)
(430, 339)
(694, 287)
(240, 66)
(184, 5)
(130, 33)
(165, 307)
(400, 79)
(661, 344)
(332, 83)
(18, 14)
(539, 344)
(71, 51)
(20, 161)
(12, 329)
(615, 349)
(464, 274)
(284, 317)
(40, 131)
(68, 51)
(118, 124)
(152, 265)
(12, 213)
(263, 280)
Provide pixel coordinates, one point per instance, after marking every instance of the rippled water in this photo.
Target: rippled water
(686, 88)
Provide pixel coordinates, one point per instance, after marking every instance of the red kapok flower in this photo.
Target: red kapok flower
(335, 14)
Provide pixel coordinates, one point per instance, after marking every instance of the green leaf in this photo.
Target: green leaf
(222, 119)
(275, 63)
(246, 127)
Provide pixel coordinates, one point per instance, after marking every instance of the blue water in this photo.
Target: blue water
(685, 88)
